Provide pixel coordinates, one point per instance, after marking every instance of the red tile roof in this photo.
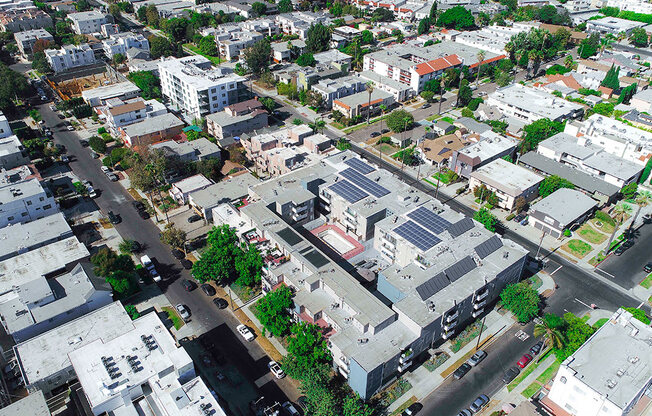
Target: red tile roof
(567, 80)
(438, 64)
(490, 60)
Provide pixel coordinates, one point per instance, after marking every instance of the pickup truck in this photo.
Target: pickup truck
(147, 264)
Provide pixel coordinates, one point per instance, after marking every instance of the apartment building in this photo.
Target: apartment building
(101, 95)
(119, 113)
(298, 22)
(373, 343)
(122, 42)
(25, 40)
(492, 38)
(564, 209)
(24, 19)
(18, 239)
(5, 128)
(587, 384)
(331, 89)
(88, 22)
(152, 130)
(489, 147)
(508, 181)
(33, 405)
(531, 104)
(590, 159)
(70, 56)
(612, 25)
(361, 104)
(286, 51)
(25, 201)
(190, 151)
(231, 43)
(12, 153)
(615, 137)
(196, 88)
(236, 119)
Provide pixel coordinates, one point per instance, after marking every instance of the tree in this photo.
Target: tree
(306, 59)
(260, 9)
(343, 144)
(41, 45)
(284, 6)
(621, 211)
(248, 265)
(552, 183)
(522, 300)
(114, 10)
(369, 86)
(552, 335)
(207, 46)
(457, 17)
(424, 26)
(41, 64)
(399, 121)
(104, 261)
(273, 311)
(119, 59)
(639, 314)
(152, 16)
(486, 218)
(464, 94)
(318, 38)
(644, 198)
(97, 144)
(366, 37)
(160, 46)
(611, 78)
(382, 15)
(629, 190)
(427, 95)
(627, 93)
(127, 247)
(257, 56)
(589, 46)
(646, 171)
(175, 28)
(268, 103)
(352, 405)
(538, 131)
(148, 83)
(82, 5)
(433, 11)
(173, 236)
(480, 56)
(576, 332)
(307, 346)
(639, 38)
(604, 108)
(520, 204)
(132, 312)
(210, 168)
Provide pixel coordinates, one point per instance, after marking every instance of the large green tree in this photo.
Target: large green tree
(207, 46)
(260, 9)
(257, 56)
(465, 94)
(148, 83)
(522, 300)
(273, 311)
(611, 78)
(576, 332)
(318, 38)
(284, 6)
(41, 64)
(589, 46)
(538, 131)
(399, 120)
(552, 183)
(457, 17)
(173, 236)
(639, 37)
(306, 349)
(160, 46)
(248, 265)
(486, 218)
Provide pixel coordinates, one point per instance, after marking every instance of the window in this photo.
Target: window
(29, 202)
(10, 218)
(23, 214)
(48, 206)
(41, 198)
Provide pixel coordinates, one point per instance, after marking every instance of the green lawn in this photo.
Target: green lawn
(603, 226)
(577, 248)
(446, 177)
(531, 390)
(548, 373)
(533, 366)
(429, 181)
(592, 236)
(214, 59)
(173, 316)
(433, 117)
(647, 282)
(600, 322)
(448, 119)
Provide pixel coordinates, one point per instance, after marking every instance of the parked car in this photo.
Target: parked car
(83, 142)
(221, 303)
(188, 286)
(245, 332)
(426, 105)
(524, 221)
(112, 177)
(461, 371)
(139, 206)
(276, 369)
(91, 192)
(105, 169)
(185, 263)
(94, 155)
(115, 219)
(510, 374)
(536, 348)
(183, 312)
(648, 268)
(520, 217)
(384, 131)
(479, 403)
(65, 159)
(177, 254)
(53, 107)
(465, 412)
(476, 358)
(413, 409)
(374, 134)
(524, 361)
(620, 249)
(290, 409)
(194, 218)
(149, 266)
(208, 289)
(70, 128)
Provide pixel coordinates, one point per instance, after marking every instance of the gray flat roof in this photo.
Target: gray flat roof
(224, 191)
(614, 165)
(507, 177)
(565, 205)
(32, 405)
(152, 125)
(565, 143)
(24, 189)
(26, 236)
(109, 91)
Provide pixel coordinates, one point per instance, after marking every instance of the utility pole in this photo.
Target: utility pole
(543, 234)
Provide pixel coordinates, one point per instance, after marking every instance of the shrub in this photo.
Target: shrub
(101, 130)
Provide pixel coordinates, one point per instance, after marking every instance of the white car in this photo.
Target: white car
(245, 332)
(147, 264)
(91, 191)
(105, 169)
(183, 312)
(276, 369)
(70, 128)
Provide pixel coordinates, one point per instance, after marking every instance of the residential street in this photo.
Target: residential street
(627, 269)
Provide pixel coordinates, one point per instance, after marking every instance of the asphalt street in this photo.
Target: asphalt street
(113, 197)
(627, 269)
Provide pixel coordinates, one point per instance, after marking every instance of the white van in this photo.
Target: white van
(147, 264)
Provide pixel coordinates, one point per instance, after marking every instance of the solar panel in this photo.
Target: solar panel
(360, 166)
(363, 182)
(429, 220)
(432, 286)
(460, 268)
(486, 248)
(346, 190)
(460, 227)
(417, 235)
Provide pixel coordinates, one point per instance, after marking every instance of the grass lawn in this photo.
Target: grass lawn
(600, 322)
(549, 373)
(174, 317)
(531, 390)
(448, 119)
(577, 248)
(386, 148)
(446, 177)
(535, 282)
(364, 124)
(530, 368)
(214, 59)
(245, 293)
(602, 226)
(647, 282)
(433, 117)
(337, 125)
(589, 234)
(429, 181)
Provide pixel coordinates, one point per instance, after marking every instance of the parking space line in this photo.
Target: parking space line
(556, 270)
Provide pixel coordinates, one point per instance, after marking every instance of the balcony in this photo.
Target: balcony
(406, 356)
(482, 295)
(350, 224)
(387, 243)
(479, 305)
(343, 372)
(452, 317)
(450, 325)
(477, 313)
(404, 366)
(325, 197)
(298, 209)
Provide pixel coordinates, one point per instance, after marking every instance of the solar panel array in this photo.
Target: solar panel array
(460, 268)
(460, 227)
(417, 235)
(346, 190)
(360, 166)
(363, 182)
(486, 248)
(429, 220)
(432, 286)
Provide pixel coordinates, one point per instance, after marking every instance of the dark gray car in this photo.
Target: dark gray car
(479, 403)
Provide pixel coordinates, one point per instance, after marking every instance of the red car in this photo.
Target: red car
(524, 361)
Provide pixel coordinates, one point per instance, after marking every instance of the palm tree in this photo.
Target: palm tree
(644, 198)
(620, 211)
(551, 336)
(568, 61)
(369, 86)
(480, 55)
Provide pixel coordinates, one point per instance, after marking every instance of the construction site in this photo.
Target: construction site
(72, 83)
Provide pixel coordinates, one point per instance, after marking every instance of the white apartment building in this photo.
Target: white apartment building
(12, 153)
(614, 137)
(492, 38)
(119, 113)
(637, 6)
(589, 384)
(25, 40)
(298, 23)
(232, 43)
(141, 371)
(70, 56)
(88, 22)
(122, 42)
(5, 129)
(196, 88)
(531, 104)
(331, 89)
(25, 201)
